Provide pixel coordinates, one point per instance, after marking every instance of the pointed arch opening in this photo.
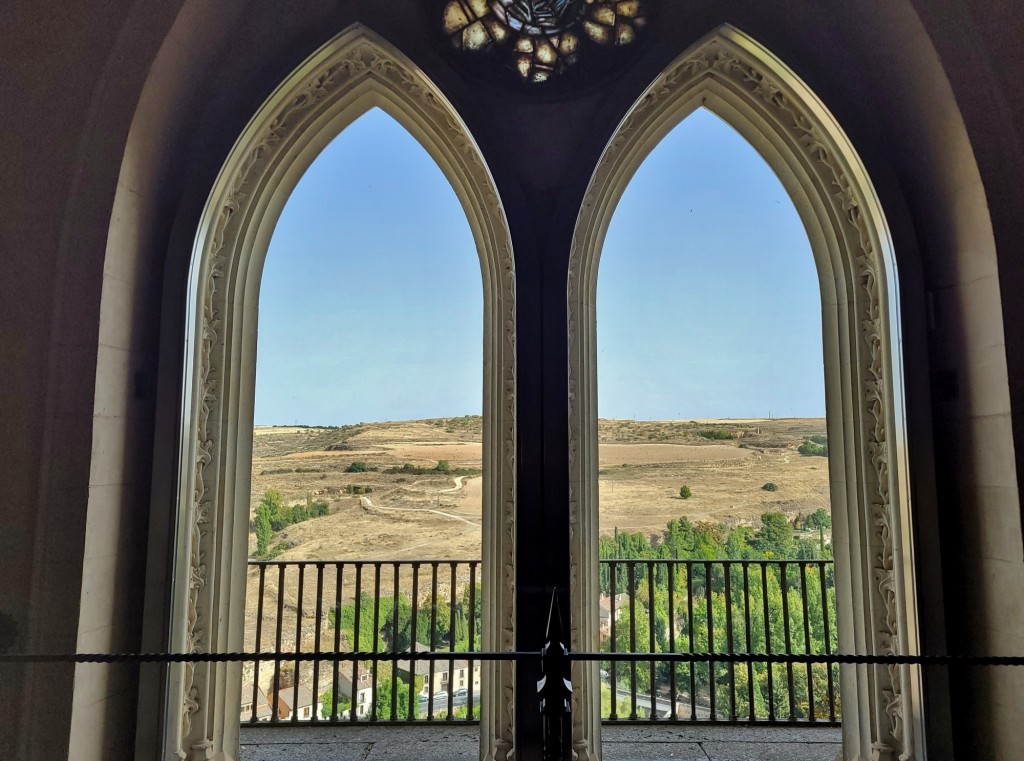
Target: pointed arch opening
(712, 440)
(738, 80)
(366, 448)
(352, 74)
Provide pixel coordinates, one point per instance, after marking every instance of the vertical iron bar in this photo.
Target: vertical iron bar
(612, 585)
(768, 641)
(316, 640)
(689, 619)
(339, 578)
(259, 644)
(828, 643)
(277, 641)
(472, 636)
(433, 638)
(376, 641)
(357, 596)
(298, 643)
(413, 642)
(671, 568)
(729, 643)
(651, 625)
(749, 646)
(451, 643)
(631, 580)
(396, 571)
(789, 638)
(711, 640)
(807, 641)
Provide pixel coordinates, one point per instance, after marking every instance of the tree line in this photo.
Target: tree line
(711, 607)
(272, 515)
(435, 625)
(389, 624)
(682, 539)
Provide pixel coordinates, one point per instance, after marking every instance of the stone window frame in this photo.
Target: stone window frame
(355, 71)
(735, 77)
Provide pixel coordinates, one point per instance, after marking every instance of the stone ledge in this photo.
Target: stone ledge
(461, 743)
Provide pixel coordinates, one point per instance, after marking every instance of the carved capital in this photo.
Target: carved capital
(202, 751)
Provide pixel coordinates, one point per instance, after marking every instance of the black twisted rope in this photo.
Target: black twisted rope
(348, 655)
(360, 655)
(847, 658)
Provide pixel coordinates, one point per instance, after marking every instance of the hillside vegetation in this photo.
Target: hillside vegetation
(413, 489)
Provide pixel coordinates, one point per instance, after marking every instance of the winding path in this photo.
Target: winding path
(367, 502)
(460, 481)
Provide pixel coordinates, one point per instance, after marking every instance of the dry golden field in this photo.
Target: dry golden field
(643, 464)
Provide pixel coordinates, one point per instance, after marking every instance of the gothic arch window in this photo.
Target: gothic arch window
(351, 74)
(734, 77)
(710, 378)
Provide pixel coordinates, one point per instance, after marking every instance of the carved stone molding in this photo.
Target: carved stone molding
(732, 72)
(352, 73)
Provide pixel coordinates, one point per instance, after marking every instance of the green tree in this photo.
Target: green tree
(357, 467)
(812, 448)
(719, 434)
(806, 549)
(684, 492)
(461, 627)
(382, 709)
(820, 518)
(705, 591)
(271, 499)
(316, 509)
(775, 535)
(271, 507)
(345, 618)
(738, 545)
(474, 612)
(327, 704)
(709, 540)
(264, 533)
(641, 635)
(397, 632)
(298, 514)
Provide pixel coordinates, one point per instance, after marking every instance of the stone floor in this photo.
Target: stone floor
(441, 743)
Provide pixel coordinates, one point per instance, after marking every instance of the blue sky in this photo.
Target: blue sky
(371, 300)
(707, 295)
(371, 305)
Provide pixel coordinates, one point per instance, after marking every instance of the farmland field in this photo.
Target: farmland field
(427, 513)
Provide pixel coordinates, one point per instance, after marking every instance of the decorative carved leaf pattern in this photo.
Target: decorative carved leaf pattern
(744, 73)
(360, 59)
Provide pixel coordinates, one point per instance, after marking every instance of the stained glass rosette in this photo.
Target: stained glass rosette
(542, 37)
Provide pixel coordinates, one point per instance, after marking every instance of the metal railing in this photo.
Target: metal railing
(405, 615)
(779, 607)
(407, 609)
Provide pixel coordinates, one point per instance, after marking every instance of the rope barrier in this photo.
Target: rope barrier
(444, 655)
(357, 655)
